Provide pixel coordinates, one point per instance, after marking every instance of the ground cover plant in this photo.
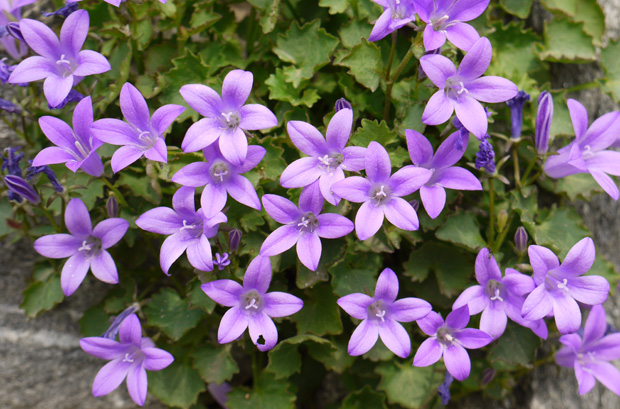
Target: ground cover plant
(288, 197)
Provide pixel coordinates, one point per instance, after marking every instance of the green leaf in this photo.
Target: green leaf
(267, 393)
(140, 186)
(579, 186)
(356, 274)
(281, 90)
(142, 32)
(561, 123)
(5, 210)
(307, 278)
(526, 208)
(171, 313)
(411, 118)
(335, 6)
(517, 346)
(602, 267)
(407, 385)
(42, 296)
(519, 8)
(198, 298)
(610, 56)
(214, 363)
(269, 13)
(353, 33)
(177, 385)
(320, 314)
(335, 355)
(514, 50)
(587, 12)
(285, 360)
(561, 230)
(93, 188)
(363, 399)
(373, 131)
(94, 322)
(365, 64)
(308, 48)
(566, 42)
(453, 273)
(462, 229)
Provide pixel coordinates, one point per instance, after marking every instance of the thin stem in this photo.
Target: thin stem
(529, 168)
(50, 218)
(389, 84)
(502, 236)
(491, 213)
(113, 188)
(255, 369)
(249, 44)
(533, 179)
(515, 161)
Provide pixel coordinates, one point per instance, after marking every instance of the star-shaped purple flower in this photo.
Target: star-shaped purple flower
(396, 14)
(60, 62)
(559, 287)
(187, 228)
(587, 153)
(221, 178)
(445, 18)
(252, 306)
(227, 117)
(130, 358)
(461, 89)
(85, 246)
(141, 134)
(381, 193)
(76, 147)
(303, 226)
(589, 354)
(498, 297)
(445, 175)
(15, 48)
(328, 156)
(381, 315)
(450, 340)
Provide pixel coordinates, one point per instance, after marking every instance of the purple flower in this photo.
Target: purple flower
(19, 188)
(543, 122)
(516, 113)
(444, 18)
(130, 358)
(328, 156)
(60, 62)
(112, 331)
(461, 89)
(73, 96)
(221, 261)
(303, 226)
(559, 287)
(485, 157)
(5, 71)
(587, 153)
(227, 117)
(64, 11)
(381, 315)
(443, 390)
(85, 246)
(252, 306)
(221, 178)
(11, 162)
(444, 174)
(498, 297)
(589, 354)
(9, 107)
(77, 147)
(188, 229)
(450, 340)
(16, 49)
(141, 134)
(32, 171)
(396, 14)
(381, 193)
(343, 104)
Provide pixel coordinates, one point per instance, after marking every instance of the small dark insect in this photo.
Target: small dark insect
(260, 340)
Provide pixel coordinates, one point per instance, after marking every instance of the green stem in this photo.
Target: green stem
(581, 87)
(255, 368)
(533, 179)
(118, 194)
(529, 168)
(389, 84)
(491, 213)
(515, 161)
(502, 236)
(50, 218)
(249, 44)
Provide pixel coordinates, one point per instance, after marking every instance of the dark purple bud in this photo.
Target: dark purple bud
(112, 206)
(5, 71)
(20, 187)
(487, 376)
(234, 239)
(521, 241)
(219, 392)
(73, 96)
(64, 11)
(47, 171)
(444, 389)
(8, 106)
(485, 157)
(543, 122)
(11, 162)
(342, 104)
(516, 113)
(456, 123)
(415, 204)
(113, 330)
(15, 31)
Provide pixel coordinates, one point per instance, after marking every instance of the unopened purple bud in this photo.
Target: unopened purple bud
(415, 204)
(113, 330)
(485, 157)
(521, 241)
(219, 392)
(47, 171)
(64, 11)
(20, 187)
(15, 31)
(444, 389)
(73, 96)
(8, 106)
(487, 376)
(10, 163)
(342, 104)
(456, 123)
(234, 240)
(516, 113)
(112, 206)
(543, 122)
(5, 71)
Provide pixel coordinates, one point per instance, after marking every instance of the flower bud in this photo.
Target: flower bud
(112, 206)
(543, 122)
(342, 104)
(502, 219)
(521, 241)
(234, 239)
(113, 330)
(15, 31)
(415, 204)
(18, 186)
(485, 157)
(487, 376)
(9, 107)
(516, 113)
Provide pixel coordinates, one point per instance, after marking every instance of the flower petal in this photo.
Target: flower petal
(493, 321)
(57, 245)
(462, 35)
(354, 189)
(103, 348)
(590, 290)
(476, 61)
(40, 38)
(255, 117)
(225, 292)
(125, 156)
(156, 359)
(333, 226)
(110, 231)
(566, 311)
(596, 325)
(395, 337)
(401, 214)
(368, 220)
(114, 132)
(300, 173)
(438, 109)
(437, 68)
(213, 199)
(356, 305)
(236, 89)
(429, 352)
(430, 323)
(77, 218)
(409, 309)
(194, 175)
(242, 190)
(32, 69)
(363, 338)
(133, 106)
(234, 146)
(457, 178)
(434, 39)
(74, 31)
(420, 149)
(339, 129)
(201, 134)
(57, 88)
(607, 183)
(110, 377)
(203, 100)
(578, 116)
(233, 324)
(258, 275)
(387, 286)
(472, 116)
(73, 273)
(492, 89)
(378, 164)
(458, 318)
(90, 63)
(433, 199)
(475, 298)
(542, 260)
(161, 220)
(171, 250)
(103, 268)
(309, 250)
(307, 138)
(280, 304)
(164, 116)
(537, 304)
(281, 209)
(409, 179)
(486, 267)
(199, 254)
(137, 384)
(263, 332)
(457, 362)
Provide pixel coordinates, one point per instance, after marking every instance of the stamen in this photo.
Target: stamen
(128, 358)
(463, 89)
(252, 304)
(449, 337)
(587, 152)
(85, 246)
(227, 116)
(220, 174)
(187, 226)
(496, 296)
(562, 285)
(325, 160)
(380, 193)
(63, 61)
(81, 149)
(304, 222)
(381, 314)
